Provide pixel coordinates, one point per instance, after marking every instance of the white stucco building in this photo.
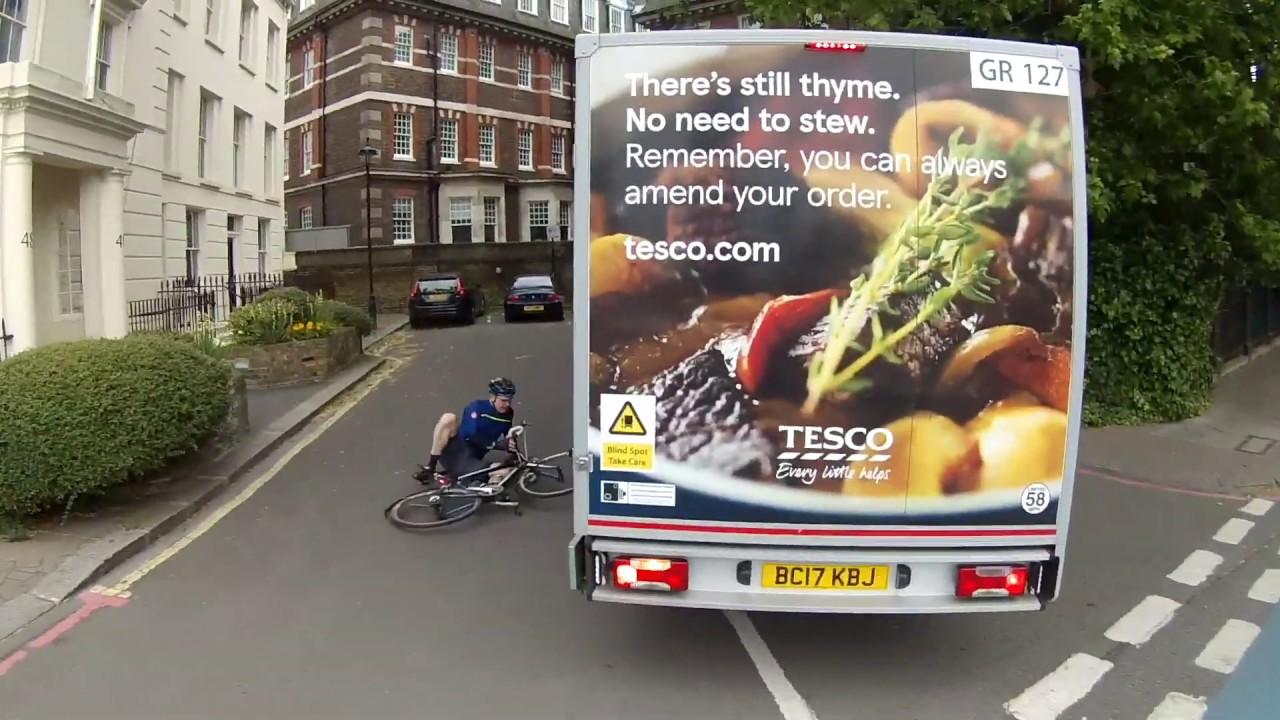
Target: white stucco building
(140, 140)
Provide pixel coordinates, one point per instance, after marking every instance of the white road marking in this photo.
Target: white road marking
(1267, 588)
(1233, 531)
(1143, 621)
(1257, 507)
(1060, 689)
(1177, 706)
(790, 702)
(1224, 651)
(1197, 568)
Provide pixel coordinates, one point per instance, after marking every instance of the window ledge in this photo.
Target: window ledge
(405, 158)
(245, 67)
(272, 86)
(213, 44)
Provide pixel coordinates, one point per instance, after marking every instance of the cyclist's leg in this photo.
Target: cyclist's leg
(444, 433)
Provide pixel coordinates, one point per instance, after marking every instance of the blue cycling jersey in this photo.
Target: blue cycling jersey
(482, 425)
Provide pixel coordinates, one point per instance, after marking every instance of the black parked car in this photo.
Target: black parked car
(533, 296)
(444, 295)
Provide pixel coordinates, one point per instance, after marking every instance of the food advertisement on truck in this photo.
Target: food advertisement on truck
(832, 284)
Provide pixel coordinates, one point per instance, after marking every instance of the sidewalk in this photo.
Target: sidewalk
(61, 558)
(1234, 448)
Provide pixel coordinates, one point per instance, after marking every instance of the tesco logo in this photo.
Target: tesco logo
(837, 438)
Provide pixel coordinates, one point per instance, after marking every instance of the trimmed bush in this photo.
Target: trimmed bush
(340, 313)
(79, 417)
(299, 298)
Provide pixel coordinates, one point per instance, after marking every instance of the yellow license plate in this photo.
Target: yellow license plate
(533, 308)
(825, 577)
(438, 297)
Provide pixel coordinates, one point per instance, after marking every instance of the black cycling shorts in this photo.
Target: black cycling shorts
(459, 458)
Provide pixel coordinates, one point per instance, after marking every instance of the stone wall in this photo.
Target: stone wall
(342, 274)
(294, 362)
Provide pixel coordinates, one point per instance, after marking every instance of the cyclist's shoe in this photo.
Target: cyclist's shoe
(422, 475)
(504, 499)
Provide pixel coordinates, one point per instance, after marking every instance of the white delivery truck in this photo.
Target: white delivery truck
(830, 320)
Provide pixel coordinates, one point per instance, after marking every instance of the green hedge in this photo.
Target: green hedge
(79, 417)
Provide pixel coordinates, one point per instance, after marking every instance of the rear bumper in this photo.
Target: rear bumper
(545, 308)
(728, 577)
(422, 311)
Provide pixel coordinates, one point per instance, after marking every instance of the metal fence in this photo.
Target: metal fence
(180, 302)
(5, 339)
(1248, 318)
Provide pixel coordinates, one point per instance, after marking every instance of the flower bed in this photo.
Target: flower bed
(297, 361)
(289, 336)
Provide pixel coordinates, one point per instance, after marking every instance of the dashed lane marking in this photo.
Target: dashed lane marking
(1142, 622)
(1060, 689)
(1197, 568)
(1224, 651)
(1267, 588)
(1257, 507)
(1177, 706)
(1233, 531)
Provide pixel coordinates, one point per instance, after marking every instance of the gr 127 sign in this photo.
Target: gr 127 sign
(1018, 73)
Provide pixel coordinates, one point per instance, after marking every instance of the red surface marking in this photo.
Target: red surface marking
(1105, 475)
(91, 602)
(7, 664)
(727, 529)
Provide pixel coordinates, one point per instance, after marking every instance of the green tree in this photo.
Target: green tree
(1183, 153)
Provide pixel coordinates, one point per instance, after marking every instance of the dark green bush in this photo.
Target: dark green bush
(341, 313)
(298, 297)
(79, 417)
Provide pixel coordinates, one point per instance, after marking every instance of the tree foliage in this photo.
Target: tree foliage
(1184, 168)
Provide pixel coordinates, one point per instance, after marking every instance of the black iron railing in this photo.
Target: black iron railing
(181, 302)
(1248, 318)
(5, 339)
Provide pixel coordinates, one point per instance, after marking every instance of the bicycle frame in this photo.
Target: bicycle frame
(522, 462)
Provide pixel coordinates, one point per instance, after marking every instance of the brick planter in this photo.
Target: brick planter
(301, 361)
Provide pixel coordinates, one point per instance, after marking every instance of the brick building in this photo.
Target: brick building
(468, 103)
(693, 14)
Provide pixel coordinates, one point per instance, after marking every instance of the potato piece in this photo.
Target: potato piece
(1020, 445)
(932, 456)
(613, 273)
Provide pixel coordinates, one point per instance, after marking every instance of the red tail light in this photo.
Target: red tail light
(417, 291)
(513, 298)
(975, 581)
(553, 297)
(835, 47)
(664, 574)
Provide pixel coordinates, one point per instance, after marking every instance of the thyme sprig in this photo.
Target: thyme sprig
(932, 250)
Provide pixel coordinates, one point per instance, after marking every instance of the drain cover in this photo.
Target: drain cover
(1256, 445)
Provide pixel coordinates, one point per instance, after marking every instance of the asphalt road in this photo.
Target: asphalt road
(303, 602)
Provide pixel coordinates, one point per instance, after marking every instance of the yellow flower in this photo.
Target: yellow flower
(311, 326)
(297, 327)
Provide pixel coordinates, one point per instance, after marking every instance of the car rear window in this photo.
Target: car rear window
(528, 282)
(438, 284)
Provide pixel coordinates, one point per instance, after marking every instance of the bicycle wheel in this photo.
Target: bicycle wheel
(544, 482)
(432, 508)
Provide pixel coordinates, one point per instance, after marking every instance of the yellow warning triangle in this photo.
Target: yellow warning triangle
(627, 422)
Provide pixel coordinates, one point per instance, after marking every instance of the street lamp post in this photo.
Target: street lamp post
(367, 152)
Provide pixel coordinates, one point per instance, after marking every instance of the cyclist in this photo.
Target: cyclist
(463, 443)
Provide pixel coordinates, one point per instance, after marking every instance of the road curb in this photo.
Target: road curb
(208, 480)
